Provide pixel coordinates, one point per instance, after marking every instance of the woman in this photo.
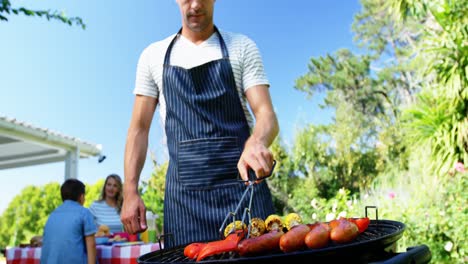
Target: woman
(106, 211)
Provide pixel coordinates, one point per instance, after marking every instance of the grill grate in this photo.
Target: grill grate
(379, 235)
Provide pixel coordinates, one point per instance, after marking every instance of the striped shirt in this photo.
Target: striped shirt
(244, 56)
(106, 215)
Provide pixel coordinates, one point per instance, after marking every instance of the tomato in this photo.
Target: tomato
(362, 223)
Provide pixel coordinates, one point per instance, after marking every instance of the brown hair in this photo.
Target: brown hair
(72, 189)
(119, 196)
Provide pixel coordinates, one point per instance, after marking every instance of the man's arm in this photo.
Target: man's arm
(256, 154)
(91, 248)
(133, 209)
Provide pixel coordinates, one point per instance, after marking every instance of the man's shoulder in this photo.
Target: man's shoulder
(236, 40)
(235, 36)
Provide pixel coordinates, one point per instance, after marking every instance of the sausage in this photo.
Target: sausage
(191, 251)
(344, 232)
(318, 236)
(293, 240)
(265, 243)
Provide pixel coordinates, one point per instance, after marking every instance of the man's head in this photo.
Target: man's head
(197, 15)
(73, 189)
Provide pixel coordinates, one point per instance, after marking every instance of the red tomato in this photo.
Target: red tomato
(362, 223)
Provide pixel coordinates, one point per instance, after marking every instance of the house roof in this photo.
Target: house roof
(23, 144)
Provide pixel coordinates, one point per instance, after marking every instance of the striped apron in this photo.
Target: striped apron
(206, 131)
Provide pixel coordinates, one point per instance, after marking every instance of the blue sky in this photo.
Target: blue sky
(80, 82)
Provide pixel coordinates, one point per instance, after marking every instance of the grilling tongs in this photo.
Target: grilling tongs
(250, 189)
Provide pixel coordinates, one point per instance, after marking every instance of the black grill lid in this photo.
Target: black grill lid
(379, 235)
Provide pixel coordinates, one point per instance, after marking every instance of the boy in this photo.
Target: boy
(69, 231)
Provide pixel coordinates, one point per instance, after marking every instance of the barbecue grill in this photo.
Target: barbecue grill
(376, 245)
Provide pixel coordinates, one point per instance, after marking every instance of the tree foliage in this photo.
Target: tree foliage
(27, 213)
(153, 191)
(6, 9)
(440, 116)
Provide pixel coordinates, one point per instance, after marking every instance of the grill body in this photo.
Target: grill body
(377, 243)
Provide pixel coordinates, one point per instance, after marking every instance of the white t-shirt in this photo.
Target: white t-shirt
(244, 56)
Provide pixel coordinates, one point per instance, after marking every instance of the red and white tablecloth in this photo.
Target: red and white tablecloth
(24, 255)
(115, 254)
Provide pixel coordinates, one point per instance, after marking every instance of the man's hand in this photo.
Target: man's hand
(257, 157)
(133, 214)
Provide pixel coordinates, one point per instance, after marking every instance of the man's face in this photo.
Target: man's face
(197, 15)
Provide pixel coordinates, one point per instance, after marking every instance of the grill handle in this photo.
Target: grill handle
(164, 245)
(376, 211)
(413, 255)
(253, 177)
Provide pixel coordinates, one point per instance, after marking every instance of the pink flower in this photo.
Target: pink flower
(459, 167)
(391, 195)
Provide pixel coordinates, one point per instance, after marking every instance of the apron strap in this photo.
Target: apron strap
(169, 49)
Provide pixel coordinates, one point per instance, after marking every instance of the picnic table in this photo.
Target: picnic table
(122, 253)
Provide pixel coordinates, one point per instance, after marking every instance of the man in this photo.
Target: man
(202, 79)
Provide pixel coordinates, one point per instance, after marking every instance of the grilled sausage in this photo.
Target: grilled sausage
(265, 243)
(318, 236)
(344, 232)
(293, 240)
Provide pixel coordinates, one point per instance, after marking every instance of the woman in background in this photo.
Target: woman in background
(106, 211)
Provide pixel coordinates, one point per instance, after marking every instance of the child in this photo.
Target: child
(69, 231)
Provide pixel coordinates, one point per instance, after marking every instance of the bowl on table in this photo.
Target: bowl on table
(102, 240)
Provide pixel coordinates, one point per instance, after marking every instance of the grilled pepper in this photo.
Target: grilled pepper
(191, 251)
(239, 225)
(274, 223)
(221, 246)
(257, 227)
(291, 220)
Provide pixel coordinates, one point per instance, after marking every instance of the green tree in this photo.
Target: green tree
(367, 93)
(27, 214)
(93, 192)
(153, 191)
(6, 9)
(361, 106)
(283, 179)
(440, 116)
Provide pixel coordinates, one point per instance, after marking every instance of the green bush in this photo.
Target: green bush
(312, 208)
(153, 190)
(433, 209)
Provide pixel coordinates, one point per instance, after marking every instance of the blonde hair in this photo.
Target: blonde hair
(119, 196)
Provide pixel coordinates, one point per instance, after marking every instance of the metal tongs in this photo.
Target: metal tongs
(250, 189)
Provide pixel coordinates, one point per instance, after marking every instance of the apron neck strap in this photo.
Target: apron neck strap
(221, 43)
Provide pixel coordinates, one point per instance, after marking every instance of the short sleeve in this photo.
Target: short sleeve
(144, 81)
(88, 222)
(253, 71)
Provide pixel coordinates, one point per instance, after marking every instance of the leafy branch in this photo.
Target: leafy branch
(7, 9)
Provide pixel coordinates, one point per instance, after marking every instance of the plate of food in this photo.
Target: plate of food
(119, 237)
